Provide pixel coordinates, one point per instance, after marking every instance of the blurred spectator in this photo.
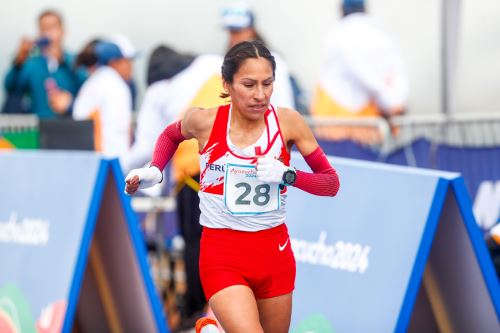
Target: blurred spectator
(239, 20)
(362, 75)
(177, 83)
(43, 71)
(86, 59)
(106, 97)
(493, 243)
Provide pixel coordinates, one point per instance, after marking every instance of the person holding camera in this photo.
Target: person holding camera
(43, 71)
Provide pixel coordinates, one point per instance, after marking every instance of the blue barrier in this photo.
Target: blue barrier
(393, 241)
(395, 245)
(418, 154)
(349, 149)
(70, 246)
(480, 168)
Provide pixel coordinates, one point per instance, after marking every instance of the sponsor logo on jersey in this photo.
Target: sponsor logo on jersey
(282, 247)
(215, 167)
(247, 172)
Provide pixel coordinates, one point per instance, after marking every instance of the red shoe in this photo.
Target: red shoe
(206, 325)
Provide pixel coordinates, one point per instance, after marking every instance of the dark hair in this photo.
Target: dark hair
(165, 63)
(87, 56)
(241, 52)
(353, 9)
(51, 12)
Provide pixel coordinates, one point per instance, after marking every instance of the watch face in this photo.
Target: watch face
(290, 177)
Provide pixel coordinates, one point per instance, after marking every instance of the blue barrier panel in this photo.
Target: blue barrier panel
(361, 256)
(70, 247)
(349, 149)
(480, 168)
(417, 154)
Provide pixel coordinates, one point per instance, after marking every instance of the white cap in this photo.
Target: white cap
(237, 16)
(125, 45)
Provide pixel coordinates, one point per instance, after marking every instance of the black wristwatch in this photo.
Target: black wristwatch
(289, 177)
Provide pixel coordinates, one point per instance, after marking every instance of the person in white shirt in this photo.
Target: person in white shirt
(492, 238)
(239, 20)
(188, 81)
(106, 97)
(178, 82)
(363, 73)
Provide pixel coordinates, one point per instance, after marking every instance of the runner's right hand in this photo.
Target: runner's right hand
(142, 178)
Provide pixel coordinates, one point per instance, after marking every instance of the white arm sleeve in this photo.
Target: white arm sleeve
(148, 177)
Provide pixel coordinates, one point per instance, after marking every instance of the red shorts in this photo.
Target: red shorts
(262, 260)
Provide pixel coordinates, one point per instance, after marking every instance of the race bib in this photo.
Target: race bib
(244, 194)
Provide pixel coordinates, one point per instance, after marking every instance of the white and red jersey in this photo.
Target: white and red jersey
(230, 194)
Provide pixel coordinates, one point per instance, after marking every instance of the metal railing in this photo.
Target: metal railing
(471, 129)
(153, 204)
(375, 122)
(14, 122)
(480, 128)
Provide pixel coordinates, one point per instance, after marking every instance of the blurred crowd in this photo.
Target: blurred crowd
(362, 75)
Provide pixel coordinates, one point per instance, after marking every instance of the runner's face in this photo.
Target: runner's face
(252, 87)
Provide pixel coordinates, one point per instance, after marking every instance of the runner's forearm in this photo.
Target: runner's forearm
(167, 144)
(323, 181)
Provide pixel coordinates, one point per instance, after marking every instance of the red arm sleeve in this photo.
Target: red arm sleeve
(323, 181)
(167, 144)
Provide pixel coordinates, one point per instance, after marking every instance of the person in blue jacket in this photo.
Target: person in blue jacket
(44, 71)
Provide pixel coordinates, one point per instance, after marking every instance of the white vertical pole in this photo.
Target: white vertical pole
(449, 52)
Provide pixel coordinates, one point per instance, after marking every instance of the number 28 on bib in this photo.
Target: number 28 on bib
(244, 194)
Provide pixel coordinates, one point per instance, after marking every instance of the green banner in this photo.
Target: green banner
(25, 139)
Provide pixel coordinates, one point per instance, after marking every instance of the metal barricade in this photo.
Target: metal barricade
(18, 131)
(14, 122)
(471, 129)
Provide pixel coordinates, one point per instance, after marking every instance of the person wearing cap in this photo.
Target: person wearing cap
(492, 238)
(43, 73)
(363, 75)
(239, 20)
(106, 97)
(86, 59)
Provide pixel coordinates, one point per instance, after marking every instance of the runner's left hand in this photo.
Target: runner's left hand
(270, 170)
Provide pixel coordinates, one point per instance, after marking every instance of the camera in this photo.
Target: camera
(42, 42)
